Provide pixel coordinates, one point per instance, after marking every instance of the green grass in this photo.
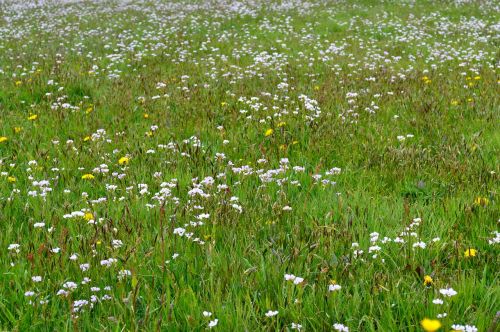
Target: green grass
(377, 70)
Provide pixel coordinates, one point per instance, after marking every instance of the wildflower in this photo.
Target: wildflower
(207, 314)
(3, 139)
(481, 201)
(88, 216)
(334, 287)
(470, 252)
(11, 179)
(17, 130)
(86, 138)
(449, 292)
(340, 327)
(123, 161)
(430, 325)
(271, 313)
(213, 323)
(32, 117)
(88, 177)
(428, 281)
(269, 132)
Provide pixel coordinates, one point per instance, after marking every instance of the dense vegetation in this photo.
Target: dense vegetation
(254, 165)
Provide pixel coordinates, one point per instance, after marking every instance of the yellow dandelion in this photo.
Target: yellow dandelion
(3, 139)
(430, 325)
(470, 252)
(17, 130)
(454, 102)
(32, 117)
(145, 115)
(477, 78)
(89, 110)
(123, 161)
(428, 281)
(269, 132)
(481, 201)
(86, 138)
(11, 179)
(18, 83)
(88, 216)
(281, 124)
(88, 177)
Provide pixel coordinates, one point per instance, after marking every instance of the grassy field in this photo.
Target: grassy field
(249, 166)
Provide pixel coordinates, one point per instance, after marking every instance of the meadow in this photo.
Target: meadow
(316, 165)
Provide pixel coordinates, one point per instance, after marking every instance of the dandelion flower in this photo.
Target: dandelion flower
(269, 132)
(470, 252)
(3, 139)
(428, 281)
(88, 177)
(430, 325)
(481, 201)
(123, 161)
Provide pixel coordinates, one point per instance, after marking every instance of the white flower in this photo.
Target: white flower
(36, 278)
(334, 287)
(29, 293)
(213, 323)
(340, 327)
(296, 326)
(207, 314)
(298, 280)
(437, 301)
(271, 313)
(449, 292)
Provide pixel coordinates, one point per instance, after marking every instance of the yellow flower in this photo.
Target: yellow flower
(269, 132)
(281, 124)
(17, 130)
(89, 110)
(223, 103)
(32, 117)
(477, 78)
(123, 161)
(454, 102)
(88, 216)
(316, 87)
(430, 325)
(18, 83)
(88, 177)
(11, 179)
(86, 138)
(428, 281)
(470, 252)
(149, 133)
(146, 115)
(482, 201)
(3, 139)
